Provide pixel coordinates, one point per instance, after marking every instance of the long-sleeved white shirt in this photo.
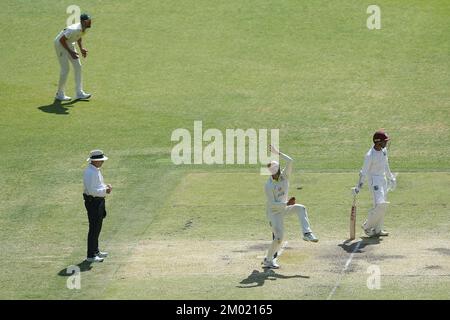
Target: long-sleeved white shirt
(93, 182)
(376, 163)
(277, 191)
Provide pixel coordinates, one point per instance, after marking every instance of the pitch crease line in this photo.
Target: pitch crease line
(347, 264)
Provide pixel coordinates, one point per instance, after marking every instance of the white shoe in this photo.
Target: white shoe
(270, 264)
(310, 237)
(102, 254)
(382, 233)
(83, 95)
(369, 232)
(95, 259)
(62, 97)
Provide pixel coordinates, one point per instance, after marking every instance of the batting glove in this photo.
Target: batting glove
(392, 184)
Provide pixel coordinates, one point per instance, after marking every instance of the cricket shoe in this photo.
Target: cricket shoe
(310, 237)
(369, 232)
(95, 259)
(102, 254)
(382, 233)
(83, 95)
(270, 264)
(62, 97)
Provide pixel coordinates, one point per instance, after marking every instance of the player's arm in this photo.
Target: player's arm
(82, 49)
(387, 169)
(363, 173)
(63, 41)
(274, 205)
(392, 181)
(289, 161)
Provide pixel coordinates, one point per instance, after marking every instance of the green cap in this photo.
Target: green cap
(85, 16)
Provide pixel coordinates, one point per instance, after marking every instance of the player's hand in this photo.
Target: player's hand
(108, 188)
(74, 55)
(291, 201)
(273, 149)
(392, 183)
(355, 191)
(84, 52)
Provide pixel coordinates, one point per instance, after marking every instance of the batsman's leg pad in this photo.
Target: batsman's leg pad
(376, 215)
(379, 226)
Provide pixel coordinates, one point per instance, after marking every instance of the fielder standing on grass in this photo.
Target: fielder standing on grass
(95, 191)
(65, 51)
(278, 205)
(380, 181)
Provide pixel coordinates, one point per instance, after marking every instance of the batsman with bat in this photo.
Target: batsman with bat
(380, 181)
(278, 206)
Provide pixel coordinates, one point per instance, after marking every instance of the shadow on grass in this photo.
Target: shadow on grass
(365, 241)
(259, 278)
(57, 107)
(84, 266)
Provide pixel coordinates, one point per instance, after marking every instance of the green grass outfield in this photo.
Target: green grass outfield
(309, 68)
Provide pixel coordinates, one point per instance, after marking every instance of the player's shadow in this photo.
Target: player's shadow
(58, 107)
(257, 278)
(357, 247)
(84, 266)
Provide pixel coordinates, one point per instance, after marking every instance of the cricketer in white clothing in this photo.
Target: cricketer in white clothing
(380, 181)
(278, 206)
(65, 51)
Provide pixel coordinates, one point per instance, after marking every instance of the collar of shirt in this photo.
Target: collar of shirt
(92, 166)
(383, 150)
(276, 181)
(375, 150)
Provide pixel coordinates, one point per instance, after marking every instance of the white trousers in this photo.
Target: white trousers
(375, 218)
(64, 57)
(277, 224)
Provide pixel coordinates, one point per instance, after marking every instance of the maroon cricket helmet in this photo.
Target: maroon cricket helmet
(380, 136)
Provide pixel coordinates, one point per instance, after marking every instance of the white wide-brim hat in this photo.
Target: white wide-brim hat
(97, 155)
(274, 167)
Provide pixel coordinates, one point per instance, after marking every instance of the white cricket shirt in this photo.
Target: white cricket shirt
(73, 33)
(93, 182)
(376, 164)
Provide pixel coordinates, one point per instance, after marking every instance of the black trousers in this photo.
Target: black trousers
(96, 212)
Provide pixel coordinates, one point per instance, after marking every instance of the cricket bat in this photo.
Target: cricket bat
(353, 219)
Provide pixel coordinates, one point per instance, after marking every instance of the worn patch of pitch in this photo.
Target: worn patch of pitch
(395, 257)
(191, 257)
